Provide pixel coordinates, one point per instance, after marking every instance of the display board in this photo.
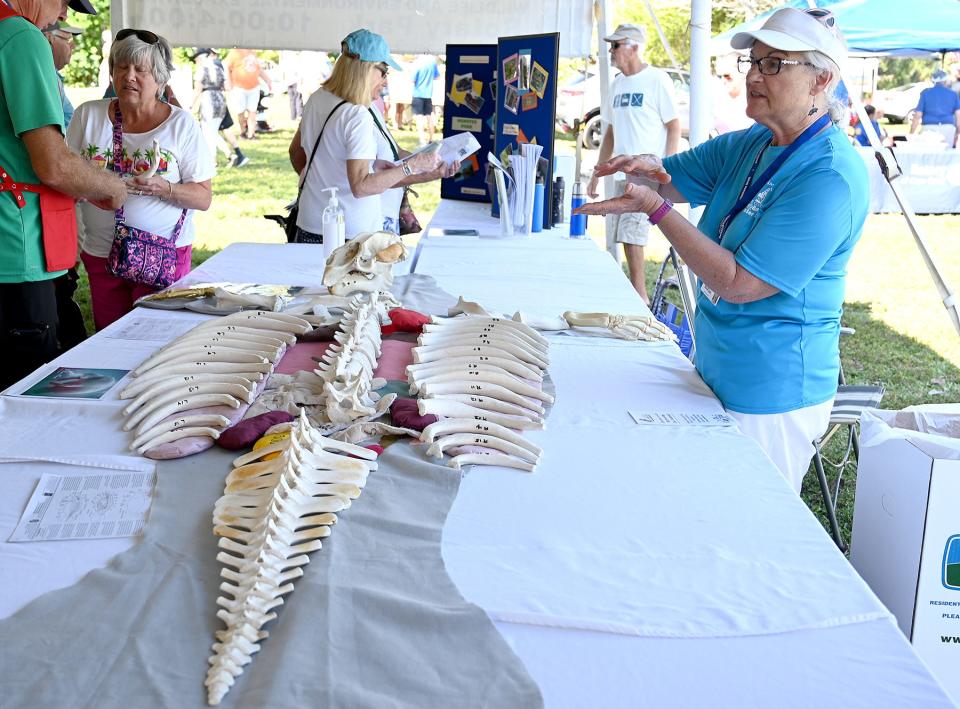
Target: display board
(527, 100)
(469, 104)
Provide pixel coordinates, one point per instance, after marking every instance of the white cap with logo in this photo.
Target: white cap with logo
(792, 30)
(628, 33)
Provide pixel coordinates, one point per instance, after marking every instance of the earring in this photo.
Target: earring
(813, 108)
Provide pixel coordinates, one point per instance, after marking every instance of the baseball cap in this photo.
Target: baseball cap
(67, 29)
(84, 6)
(633, 33)
(368, 46)
(939, 75)
(793, 30)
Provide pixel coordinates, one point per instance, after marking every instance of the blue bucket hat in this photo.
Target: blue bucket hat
(368, 46)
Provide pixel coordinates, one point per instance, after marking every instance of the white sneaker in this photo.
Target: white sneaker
(241, 162)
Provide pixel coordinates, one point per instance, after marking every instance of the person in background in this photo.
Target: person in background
(345, 156)
(210, 101)
(244, 73)
(401, 92)
(643, 119)
(956, 79)
(388, 153)
(71, 330)
(860, 135)
(154, 134)
(425, 72)
(34, 161)
(730, 98)
(938, 110)
(786, 201)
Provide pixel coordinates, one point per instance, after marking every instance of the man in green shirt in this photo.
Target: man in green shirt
(33, 152)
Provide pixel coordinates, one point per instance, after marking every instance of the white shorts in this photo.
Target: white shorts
(631, 228)
(787, 438)
(947, 130)
(246, 99)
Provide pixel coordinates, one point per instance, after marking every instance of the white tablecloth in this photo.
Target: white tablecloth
(637, 566)
(930, 181)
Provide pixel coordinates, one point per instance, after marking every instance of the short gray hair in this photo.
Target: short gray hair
(133, 50)
(821, 62)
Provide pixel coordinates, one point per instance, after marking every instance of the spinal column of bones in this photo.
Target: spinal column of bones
(178, 391)
(482, 377)
(272, 514)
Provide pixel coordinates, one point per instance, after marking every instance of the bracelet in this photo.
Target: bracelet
(407, 170)
(170, 196)
(660, 212)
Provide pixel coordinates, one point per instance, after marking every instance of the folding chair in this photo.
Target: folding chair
(679, 318)
(849, 403)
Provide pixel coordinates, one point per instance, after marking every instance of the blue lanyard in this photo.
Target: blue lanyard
(751, 188)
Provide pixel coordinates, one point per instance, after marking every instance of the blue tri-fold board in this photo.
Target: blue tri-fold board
(470, 108)
(527, 112)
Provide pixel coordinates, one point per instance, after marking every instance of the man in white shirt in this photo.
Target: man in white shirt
(643, 120)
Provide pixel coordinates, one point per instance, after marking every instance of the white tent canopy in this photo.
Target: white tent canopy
(409, 26)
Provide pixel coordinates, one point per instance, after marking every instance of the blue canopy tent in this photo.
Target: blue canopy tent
(891, 27)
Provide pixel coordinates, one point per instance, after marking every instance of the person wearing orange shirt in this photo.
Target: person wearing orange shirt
(244, 73)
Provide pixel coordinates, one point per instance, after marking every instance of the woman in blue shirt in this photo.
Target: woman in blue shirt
(785, 203)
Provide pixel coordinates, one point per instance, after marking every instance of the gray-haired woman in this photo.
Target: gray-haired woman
(785, 203)
(163, 157)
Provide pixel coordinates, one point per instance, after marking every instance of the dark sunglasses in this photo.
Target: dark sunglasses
(617, 45)
(143, 35)
(824, 17)
(383, 70)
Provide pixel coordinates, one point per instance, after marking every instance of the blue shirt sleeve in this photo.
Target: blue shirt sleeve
(696, 172)
(792, 240)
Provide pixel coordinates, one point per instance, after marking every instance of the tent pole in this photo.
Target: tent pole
(663, 38)
(947, 295)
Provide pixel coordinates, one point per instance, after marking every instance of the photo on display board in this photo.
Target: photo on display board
(528, 101)
(538, 79)
(493, 89)
(524, 61)
(76, 383)
(474, 103)
(468, 168)
(511, 98)
(463, 82)
(510, 69)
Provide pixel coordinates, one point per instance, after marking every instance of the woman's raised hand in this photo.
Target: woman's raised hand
(648, 166)
(636, 198)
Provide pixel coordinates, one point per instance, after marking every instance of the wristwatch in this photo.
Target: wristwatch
(407, 170)
(661, 211)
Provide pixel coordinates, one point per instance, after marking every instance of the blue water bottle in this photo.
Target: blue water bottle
(538, 190)
(578, 222)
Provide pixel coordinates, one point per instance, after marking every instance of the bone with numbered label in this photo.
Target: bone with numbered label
(431, 354)
(144, 386)
(510, 366)
(219, 354)
(178, 433)
(445, 427)
(435, 388)
(503, 341)
(488, 403)
(507, 461)
(480, 322)
(454, 409)
(269, 352)
(487, 441)
(149, 436)
(439, 333)
(505, 381)
(265, 538)
(239, 368)
(217, 328)
(146, 422)
(153, 398)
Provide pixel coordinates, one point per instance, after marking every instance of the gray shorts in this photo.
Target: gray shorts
(631, 228)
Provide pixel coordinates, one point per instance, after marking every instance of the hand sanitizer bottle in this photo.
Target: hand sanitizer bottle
(333, 224)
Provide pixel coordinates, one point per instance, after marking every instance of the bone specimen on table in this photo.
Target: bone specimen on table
(188, 388)
(364, 264)
(626, 327)
(482, 376)
(271, 516)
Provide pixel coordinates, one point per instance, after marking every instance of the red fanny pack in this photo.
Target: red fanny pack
(58, 216)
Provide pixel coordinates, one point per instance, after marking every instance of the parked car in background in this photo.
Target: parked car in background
(580, 98)
(899, 103)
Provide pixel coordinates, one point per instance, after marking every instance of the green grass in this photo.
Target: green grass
(904, 339)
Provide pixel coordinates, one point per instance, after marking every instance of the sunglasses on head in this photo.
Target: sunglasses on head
(143, 35)
(824, 17)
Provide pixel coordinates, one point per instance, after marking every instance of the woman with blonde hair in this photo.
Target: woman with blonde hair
(335, 145)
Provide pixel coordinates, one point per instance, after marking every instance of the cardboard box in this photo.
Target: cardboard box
(906, 528)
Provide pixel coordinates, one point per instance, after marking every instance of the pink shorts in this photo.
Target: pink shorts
(113, 297)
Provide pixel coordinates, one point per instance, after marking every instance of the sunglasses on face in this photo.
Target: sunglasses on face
(616, 45)
(383, 71)
(143, 35)
(824, 17)
(768, 66)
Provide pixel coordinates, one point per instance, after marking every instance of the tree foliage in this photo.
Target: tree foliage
(84, 67)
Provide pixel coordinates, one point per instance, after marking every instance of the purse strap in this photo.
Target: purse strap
(118, 160)
(303, 177)
(385, 134)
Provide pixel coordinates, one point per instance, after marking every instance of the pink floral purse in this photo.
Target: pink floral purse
(140, 256)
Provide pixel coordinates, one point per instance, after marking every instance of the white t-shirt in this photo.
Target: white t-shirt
(349, 136)
(639, 106)
(391, 199)
(184, 158)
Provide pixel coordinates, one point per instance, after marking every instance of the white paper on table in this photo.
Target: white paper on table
(453, 148)
(102, 506)
(158, 329)
(680, 418)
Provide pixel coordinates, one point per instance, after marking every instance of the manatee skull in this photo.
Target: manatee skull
(364, 264)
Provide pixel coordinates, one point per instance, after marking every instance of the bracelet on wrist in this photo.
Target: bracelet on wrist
(407, 170)
(660, 212)
(170, 196)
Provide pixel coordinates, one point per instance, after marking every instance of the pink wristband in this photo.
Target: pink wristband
(661, 211)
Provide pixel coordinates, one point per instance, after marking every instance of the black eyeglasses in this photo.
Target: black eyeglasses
(768, 66)
(383, 70)
(824, 17)
(143, 35)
